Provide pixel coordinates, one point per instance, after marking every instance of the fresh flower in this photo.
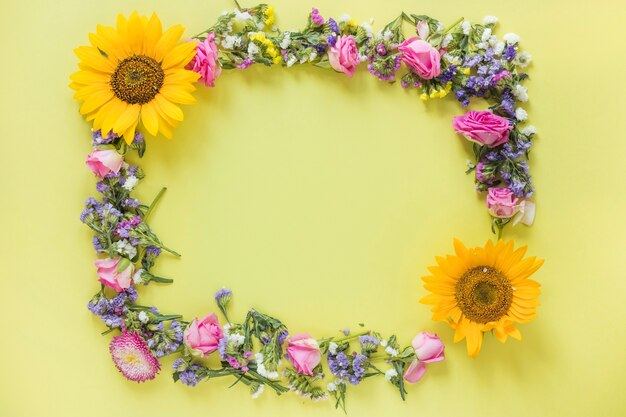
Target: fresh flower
(116, 273)
(132, 357)
(423, 59)
(502, 203)
(103, 162)
(428, 347)
(304, 353)
(343, 56)
(483, 127)
(202, 336)
(205, 61)
(415, 371)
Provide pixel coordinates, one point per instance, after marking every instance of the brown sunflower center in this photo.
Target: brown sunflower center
(483, 294)
(137, 79)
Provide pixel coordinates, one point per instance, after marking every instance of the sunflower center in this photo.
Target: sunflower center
(137, 79)
(483, 294)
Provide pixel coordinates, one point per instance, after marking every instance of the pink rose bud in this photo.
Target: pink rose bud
(415, 371)
(103, 162)
(421, 57)
(483, 127)
(115, 273)
(304, 353)
(202, 337)
(422, 29)
(502, 203)
(205, 61)
(428, 347)
(344, 56)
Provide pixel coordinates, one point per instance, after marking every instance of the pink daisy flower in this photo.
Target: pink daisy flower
(132, 357)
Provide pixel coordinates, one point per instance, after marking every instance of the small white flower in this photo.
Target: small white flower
(312, 56)
(143, 317)
(522, 59)
(498, 48)
(236, 339)
(486, 35)
(363, 58)
(292, 60)
(253, 49)
(481, 45)
(123, 247)
(226, 329)
(392, 373)
(138, 277)
(242, 16)
(331, 387)
(520, 114)
(529, 130)
(284, 44)
(470, 164)
(229, 42)
(520, 93)
(391, 351)
(368, 29)
(452, 59)
(130, 183)
(490, 20)
(260, 25)
(511, 38)
(466, 26)
(332, 348)
(383, 343)
(258, 391)
(439, 27)
(344, 18)
(387, 35)
(446, 40)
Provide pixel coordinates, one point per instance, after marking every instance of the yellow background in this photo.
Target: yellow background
(320, 200)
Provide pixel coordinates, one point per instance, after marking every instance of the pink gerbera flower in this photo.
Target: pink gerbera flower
(132, 357)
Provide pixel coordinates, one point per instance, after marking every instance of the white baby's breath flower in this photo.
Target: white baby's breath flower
(490, 20)
(520, 92)
(452, 59)
(529, 130)
(123, 247)
(284, 44)
(439, 27)
(331, 387)
(292, 60)
(368, 29)
(511, 38)
(226, 329)
(482, 45)
(387, 35)
(466, 26)
(345, 18)
(138, 277)
(391, 373)
(312, 56)
(486, 35)
(236, 339)
(520, 114)
(391, 351)
(332, 348)
(143, 317)
(130, 183)
(446, 40)
(229, 42)
(253, 49)
(498, 48)
(304, 59)
(242, 15)
(522, 59)
(258, 391)
(383, 343)
(470, 164)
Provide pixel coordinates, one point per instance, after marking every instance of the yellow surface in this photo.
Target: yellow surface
(320, 200)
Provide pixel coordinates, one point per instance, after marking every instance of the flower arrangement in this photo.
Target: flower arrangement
(138, 74)
(134, 77)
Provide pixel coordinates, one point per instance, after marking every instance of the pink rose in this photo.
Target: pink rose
(428, 347)
(483, 127)
(103, 162)
(415, 371)
(205, 62)
(115, 273)
(344, 56)
(526, 213)
(202, 337)
(421, 57)
(304, 352)
(502, 203)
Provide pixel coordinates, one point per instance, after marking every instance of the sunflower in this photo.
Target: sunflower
(482, 289)
(134, 72)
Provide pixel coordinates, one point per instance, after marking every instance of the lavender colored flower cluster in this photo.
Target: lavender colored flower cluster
(351, 368)
(112, 311)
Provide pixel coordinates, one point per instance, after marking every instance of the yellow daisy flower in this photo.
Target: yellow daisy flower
(483, 289)
(135, 72)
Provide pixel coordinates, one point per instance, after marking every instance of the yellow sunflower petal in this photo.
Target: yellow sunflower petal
(135, 33)
(176, 95)
(115, 112)
(168, 40)
(474, 339)
(90, 77)
(150, 118)
(168, 108)
(129, 135)
(93, 58)
(95, 100)
(180, 55)
(128, 117)
(153, 32)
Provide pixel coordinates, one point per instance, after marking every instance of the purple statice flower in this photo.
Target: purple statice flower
(91, 202)
(233, 362)
(138, 138)
(177, 330)
(282, 337)
(130, 203)
(493, 156)
(245, 64)
(404, 84)
(223, 294)
(509, 152)
(472, 61)
(123, 228)
(381, 49)
(507, 103)
(448, 74)
(480, 167)
(154, 310)
(510, 52)
(331, 40)
(316, 18)
(333, 26)
(368, 341)
(517, 187)
(98, 139)
(346, 332)
(320, 48)
(179, 365)
(85, 213)
(131, 293)
(189, 376)
(97, 245)
(97, 307)
(358, 367)
(153, 251)
(221, 347)
(101, 187)
(107, 210)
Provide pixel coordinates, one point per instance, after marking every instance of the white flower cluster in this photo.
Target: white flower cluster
(286, 41)
(490, 20)
(130, 183)
(520, 114)
(230, 42)
(143, 317)
(391, 351)
(258, 391)
(260, 367)
(332, 386)
(138, 277)
(529, 131)
(123, 247)
(521, 93)
(332, 348)
(390, 374)
(466, 26)
(242, 16)
(235, 339)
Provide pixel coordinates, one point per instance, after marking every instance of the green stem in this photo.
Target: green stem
(168, 317)
(173, 252)
(162, 280)
(454, 25)
(351, 337)
(238, 5)
(154, 202)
